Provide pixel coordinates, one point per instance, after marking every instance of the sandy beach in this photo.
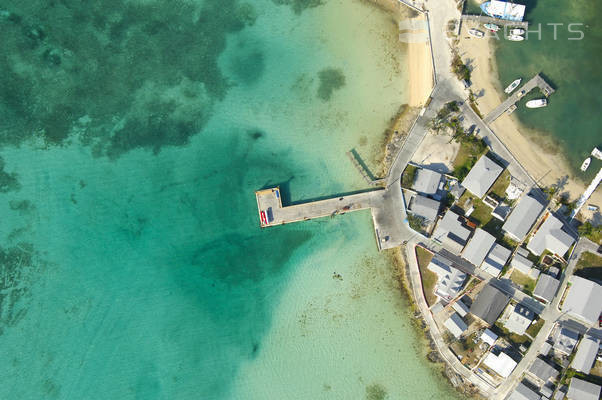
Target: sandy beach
(534, 150)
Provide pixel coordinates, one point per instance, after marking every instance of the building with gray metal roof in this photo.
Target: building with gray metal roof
(478, 247)
(482, 176)
(489, 304)
(543, 371)
(519, 319)
(523, 265)
(546, 288)
(427, 181)
(523, 217)
(583, 390)
(586, 354)
(450, 280)
(584, 300)
(424, 207)
(496, 259)
(551, 236)
(523, 392)
(565, 340)
(451, 232)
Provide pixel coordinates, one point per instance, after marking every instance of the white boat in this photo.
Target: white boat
(511, 109)
(585, 164)
(476, 33)
(515, 38)
(517, 31)
(537, 103)
(492, 27)
(513, 86)
(597, 153)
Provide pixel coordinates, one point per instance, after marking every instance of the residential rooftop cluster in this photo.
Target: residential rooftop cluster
(500, 284)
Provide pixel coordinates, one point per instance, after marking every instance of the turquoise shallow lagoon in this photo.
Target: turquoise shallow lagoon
(134, 135)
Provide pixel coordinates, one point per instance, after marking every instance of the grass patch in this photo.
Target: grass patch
(526, 282)
(407, 178)
(481, 214)
(429, 278)
(512, 337)
(593, 233)
(500, 185)
(471, 149)
(589, 266)
(535, 327)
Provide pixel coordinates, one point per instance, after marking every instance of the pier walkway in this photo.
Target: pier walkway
(363, 170)
(484, 19)
(536, 81)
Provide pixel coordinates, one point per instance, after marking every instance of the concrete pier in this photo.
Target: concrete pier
(536, 81)
(269, 201)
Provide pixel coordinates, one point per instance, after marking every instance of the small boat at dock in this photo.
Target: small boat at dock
(586, 164)
(491, 27)
(517, 31)
(537, 103)
(476, 33)
(513, 86)
(511, 109)
(515, 38)
(597, 153)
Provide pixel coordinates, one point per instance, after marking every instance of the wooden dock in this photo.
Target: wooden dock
(363, 170)
(269, 202)
(484, 19)
(536, 81)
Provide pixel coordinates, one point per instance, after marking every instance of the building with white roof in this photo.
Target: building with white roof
(488, 337)
(551, 236)
(449, 279)
(586, 354)
(451, 232)
(482, 176)
(522, 218)
(501, 364)
(455, 325)
(427, 181)
(496, 259)
(583, 390)
(478, 247)
(584, 300)
(519, 319)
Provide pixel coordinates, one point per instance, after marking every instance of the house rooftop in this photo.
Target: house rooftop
(488, 337)
(489, 304)
(496, 259)
(523, 217)
(523, 265)
(523, 392)
(456, 325)
(542, 370)
(583, 390)
(550, 236)
(427, 181)
(584, 299)
(424, 207)
(586, 354)
(460, 307)
(478, 247)
(449, 279)
(519, 319)
(546, 288)
(501, 364)
(482, 175)
(451, 232)
(565, 340)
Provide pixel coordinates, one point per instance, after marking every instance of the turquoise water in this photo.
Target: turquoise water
(572, 118)
(134, 135)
